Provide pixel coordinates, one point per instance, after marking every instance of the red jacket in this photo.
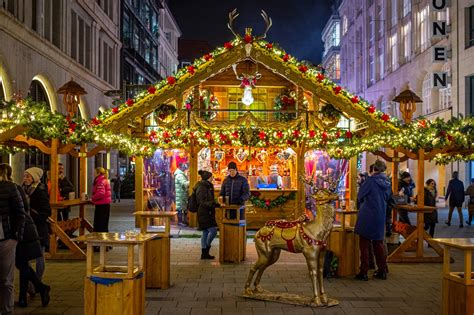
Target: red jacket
(101, 193)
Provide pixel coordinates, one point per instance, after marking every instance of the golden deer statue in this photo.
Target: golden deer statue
(300, 236)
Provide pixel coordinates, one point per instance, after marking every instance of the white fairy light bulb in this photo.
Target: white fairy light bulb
(247, 97)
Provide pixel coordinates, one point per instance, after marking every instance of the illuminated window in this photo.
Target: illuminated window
(345, 25)
(426, 94)
(424, 28)
(338, 67)
(235, 102)
(406, 7)
(407, 41)
(393, 50)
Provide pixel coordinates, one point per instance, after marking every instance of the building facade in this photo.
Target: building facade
(46, 43)
(331, 35)
(388, 46)
(149, 35)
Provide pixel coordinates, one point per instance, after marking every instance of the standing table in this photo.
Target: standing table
(60, 229)
(157, 250)
(114, 289)
(417, 238)
(345, 244)
(458, 287)
(232, 233)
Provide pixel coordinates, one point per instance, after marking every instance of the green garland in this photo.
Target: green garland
(269, 204)
(329, 111)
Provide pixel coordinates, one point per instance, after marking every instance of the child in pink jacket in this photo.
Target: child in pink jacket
(101, 197)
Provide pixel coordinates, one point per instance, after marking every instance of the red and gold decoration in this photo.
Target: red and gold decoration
(270, 204)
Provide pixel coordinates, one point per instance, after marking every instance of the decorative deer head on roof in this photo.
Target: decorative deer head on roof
(248, 38)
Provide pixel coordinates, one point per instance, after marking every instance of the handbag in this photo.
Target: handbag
(400, 200)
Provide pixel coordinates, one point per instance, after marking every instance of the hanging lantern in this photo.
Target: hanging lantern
(72, 96)
(407, 100)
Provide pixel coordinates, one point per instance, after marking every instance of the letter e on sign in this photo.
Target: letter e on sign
(440, 54)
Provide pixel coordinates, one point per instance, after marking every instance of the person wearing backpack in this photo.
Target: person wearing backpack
(206, 212)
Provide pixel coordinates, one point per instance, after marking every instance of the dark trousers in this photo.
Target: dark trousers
(379, 252)
(63, 214)
(403, 217)
(27, 274)
(101, 218)
(450, 214)
(431, 227)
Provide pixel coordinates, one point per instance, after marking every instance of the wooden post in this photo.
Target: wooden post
(420, 187)
(82, 182)
(300, 172)
(353, 179)
(139, 201)
(193, 178)
(395, 162)
(53, 197)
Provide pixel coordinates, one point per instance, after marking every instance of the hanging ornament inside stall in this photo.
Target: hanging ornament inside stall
(248, 82)
(219, 155)
(262, 156)
(241, 155)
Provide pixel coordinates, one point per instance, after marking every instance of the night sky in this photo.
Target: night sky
(297, 24)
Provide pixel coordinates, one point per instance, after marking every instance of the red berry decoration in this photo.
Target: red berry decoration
(166, 134)
(324, 136)
(422, 123)
(96, 121)
(348, 134)
(248, 38)
(279, 134)
(115, 110)
(355, 99)
(267, 202)
(152, 90)
(228, 45)
(129, 102)
(207, 57)
(371, 109)
(191, 70)
(320, 76)
(337, 89)
(338, 134)
(303, 68)
(450, 138)
(286, 57)
(208, 135)
(178, 132)
(262, 135)
(296, 133)
(312, 133)
(269, 45)
(171, 80)
(385, 117)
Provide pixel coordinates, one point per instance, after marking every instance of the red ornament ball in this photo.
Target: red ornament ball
(171, 80)
(191, 70)
(355, 99)
(269, 45)
(228, 45)
(262, 135)
(286, 57)
(152, 90)
(312, 133)
(207, 57)
(337, 89)
(115, 110)
(320, 76)
(248, 38)
(385, 117)
(303, 68)
(129, 102)
(279, 134)
(348, 134)
(371, 109)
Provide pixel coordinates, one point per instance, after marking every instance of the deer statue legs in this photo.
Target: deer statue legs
(315, 263)
(266, 258)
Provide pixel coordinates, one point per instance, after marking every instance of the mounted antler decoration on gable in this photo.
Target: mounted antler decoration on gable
(248, 38)
(248, 82)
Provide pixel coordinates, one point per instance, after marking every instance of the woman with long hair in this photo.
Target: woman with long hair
(101, 197)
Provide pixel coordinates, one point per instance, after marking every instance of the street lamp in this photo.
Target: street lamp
(407, 100)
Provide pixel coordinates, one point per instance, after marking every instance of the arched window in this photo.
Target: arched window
(426, 94)
(37, 93)
(2, 90)
(445, 93)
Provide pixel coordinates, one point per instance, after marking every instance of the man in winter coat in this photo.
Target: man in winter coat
(373, 197)
(235, 188)
(455, 193)
(181, 184)
(406, 187)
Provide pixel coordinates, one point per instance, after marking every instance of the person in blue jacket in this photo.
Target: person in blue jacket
(455, 193)
(235, 188)
(373, 197)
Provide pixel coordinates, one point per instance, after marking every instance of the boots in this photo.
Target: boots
(208, 249)
(205, 253)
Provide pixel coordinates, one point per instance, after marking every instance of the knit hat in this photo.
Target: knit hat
(405, 175)
(36, 173)
(205, 175)
(232, 165)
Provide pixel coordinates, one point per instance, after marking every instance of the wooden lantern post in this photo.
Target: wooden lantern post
(72, 92)
(408, 100)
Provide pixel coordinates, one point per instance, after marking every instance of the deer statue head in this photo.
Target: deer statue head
(248, 38)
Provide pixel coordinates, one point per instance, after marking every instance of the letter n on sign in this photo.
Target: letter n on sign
(439, 80)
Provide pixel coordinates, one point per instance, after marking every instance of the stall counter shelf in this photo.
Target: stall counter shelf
(258, 216)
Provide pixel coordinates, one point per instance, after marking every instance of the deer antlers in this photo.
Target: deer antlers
(233, 15)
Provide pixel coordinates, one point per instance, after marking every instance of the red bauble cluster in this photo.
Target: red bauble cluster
(303, 68)
(286, 57)
(151, 90)
(337, 89)
(371, 109)
(129, 102)
(191, 70)
(171, 80)
(228, 45)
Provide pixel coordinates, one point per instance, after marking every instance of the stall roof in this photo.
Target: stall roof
(266, 55)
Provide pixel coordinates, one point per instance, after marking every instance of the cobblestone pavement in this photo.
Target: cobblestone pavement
(206, 287)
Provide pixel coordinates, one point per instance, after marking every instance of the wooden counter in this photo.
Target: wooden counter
(257, 218)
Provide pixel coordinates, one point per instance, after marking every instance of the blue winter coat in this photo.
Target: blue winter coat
(455, 193)
(236, 189)
(373, 197)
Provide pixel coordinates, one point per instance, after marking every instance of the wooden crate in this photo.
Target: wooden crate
(157, 258)
(345, 245)
(124, 297)
(232, 243)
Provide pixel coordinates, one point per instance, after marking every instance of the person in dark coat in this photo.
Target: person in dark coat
(431, 193)
(373, 197)
(235, 189)
(470, 205)
(65, 187)
(206, 213)
(12, 221)
(116, 186)
(455, 193)
(40, 210)
(28, 248)
(406, 187)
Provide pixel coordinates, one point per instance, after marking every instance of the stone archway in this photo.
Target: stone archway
(50, 92)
